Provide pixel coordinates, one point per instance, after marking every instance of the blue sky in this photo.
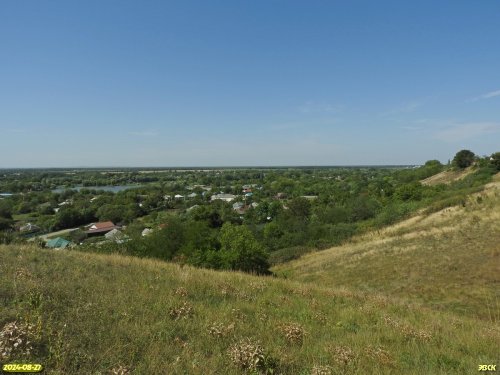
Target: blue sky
(261, 82)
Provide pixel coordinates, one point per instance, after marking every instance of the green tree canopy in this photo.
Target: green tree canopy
(463, 159)
(5, 209)
(241, 251)
(495, 160)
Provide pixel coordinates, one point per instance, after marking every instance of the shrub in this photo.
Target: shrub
(408, 192)
(183, 311)
(294, 333)
(248, 355)
(495, 160)
(16, 339)
(287, 254)
(241, 251)
(340, 232)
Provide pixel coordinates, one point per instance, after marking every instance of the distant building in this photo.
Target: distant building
(192, 195)
(192, 208)
(238, 205)
(203, 187)
(178, 196)
(58, 243)
(29, 228)
(310, 197)
(100, 228)
(280, 196)
(116, 235)
(223, 197)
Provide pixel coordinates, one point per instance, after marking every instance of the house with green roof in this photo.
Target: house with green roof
(58, 243)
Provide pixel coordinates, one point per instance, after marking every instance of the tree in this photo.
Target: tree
(409, 192)
(5, 223)
(67, 218)
(164, 243)
(5, 209)
(272, 234)
(495, 160)
(463, 159)
(241, 251)
(364, 208)
(433, 163)
(300, 208)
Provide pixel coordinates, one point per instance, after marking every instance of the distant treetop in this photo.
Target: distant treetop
(463, 159)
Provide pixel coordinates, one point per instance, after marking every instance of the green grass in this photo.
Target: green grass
(25, 217)
(419, 297)
(93, 313)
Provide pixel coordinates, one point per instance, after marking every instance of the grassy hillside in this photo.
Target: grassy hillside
(420, 297)
(91, 314)
(448, 176)
(447, 260)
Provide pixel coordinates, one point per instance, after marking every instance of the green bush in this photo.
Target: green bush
(463, 159)
(287, 254)
(392, 213)
(445, 203)
(409, 192)
(495, 161)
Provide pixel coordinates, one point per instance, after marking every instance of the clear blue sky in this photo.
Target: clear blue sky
(260, 82)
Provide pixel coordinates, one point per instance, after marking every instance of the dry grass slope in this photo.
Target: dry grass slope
(95, 314)
(447, 177)
(447, 260)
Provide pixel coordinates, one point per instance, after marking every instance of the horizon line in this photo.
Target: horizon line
(219, 166)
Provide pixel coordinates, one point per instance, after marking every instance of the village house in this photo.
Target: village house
(97, 229)
(117, 236)
(192, 208)
(223, 197)
(240, 207)
(29, 228)
(58, 243)
(203, 187)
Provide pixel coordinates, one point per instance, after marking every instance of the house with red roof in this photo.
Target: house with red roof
(100, 228)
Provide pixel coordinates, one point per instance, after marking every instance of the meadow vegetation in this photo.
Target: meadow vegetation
(100, 314)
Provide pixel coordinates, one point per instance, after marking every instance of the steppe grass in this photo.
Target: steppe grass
(85, 313)
(447, 260)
